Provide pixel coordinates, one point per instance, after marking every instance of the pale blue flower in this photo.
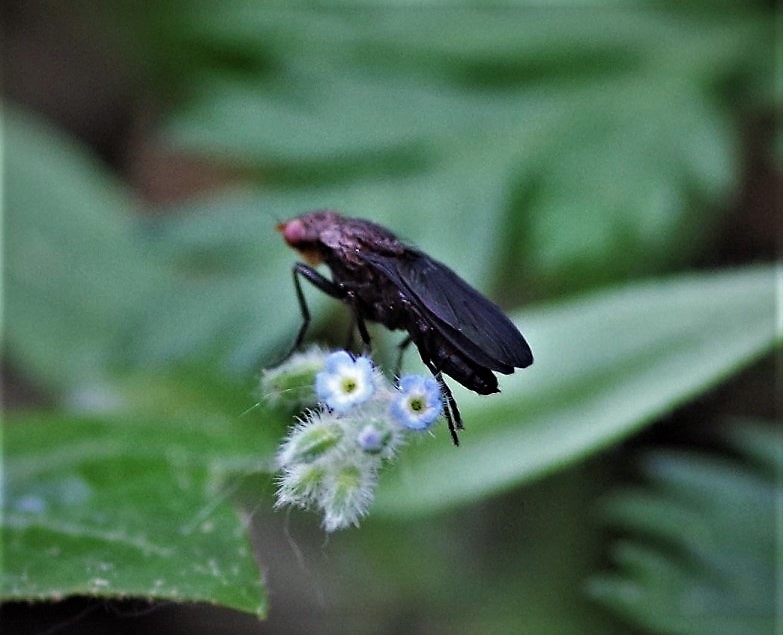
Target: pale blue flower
(373, 439)
(418, 403)
(345, 382)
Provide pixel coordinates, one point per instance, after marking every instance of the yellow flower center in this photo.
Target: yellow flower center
(417, 404)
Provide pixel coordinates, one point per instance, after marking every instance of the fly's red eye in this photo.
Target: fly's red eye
(293, 231)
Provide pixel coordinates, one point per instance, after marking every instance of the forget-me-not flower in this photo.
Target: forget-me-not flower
(418, 403)
(345, 382)
(331, 458)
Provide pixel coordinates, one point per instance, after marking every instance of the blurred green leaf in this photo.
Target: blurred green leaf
(606, 364)
(606, 130)
(546, 148)
(701, 554)
(76, 274)
(113, 507)
(537, 42)
(315, 117)
(643, 156)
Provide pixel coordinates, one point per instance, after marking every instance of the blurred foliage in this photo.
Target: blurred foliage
(604, 135)
(540, 151)
(702, 554)
(76, 274)
(606, 364)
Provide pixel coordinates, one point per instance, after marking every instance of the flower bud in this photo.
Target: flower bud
(291, 383)
(347, 496)
(300, 485)
(311, 441)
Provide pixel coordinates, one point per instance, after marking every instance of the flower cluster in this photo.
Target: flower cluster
(357, 420)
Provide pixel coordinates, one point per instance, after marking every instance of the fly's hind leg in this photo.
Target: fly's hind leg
(450, 409)
(453, 416)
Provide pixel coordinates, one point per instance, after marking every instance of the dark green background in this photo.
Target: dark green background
(607, 172)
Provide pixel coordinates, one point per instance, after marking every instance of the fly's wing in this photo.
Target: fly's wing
(462, 314)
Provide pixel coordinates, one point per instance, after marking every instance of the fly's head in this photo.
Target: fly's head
(311, 234)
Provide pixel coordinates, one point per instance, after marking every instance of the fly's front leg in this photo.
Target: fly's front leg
(320, 282)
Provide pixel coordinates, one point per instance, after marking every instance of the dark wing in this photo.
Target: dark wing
(464, 316)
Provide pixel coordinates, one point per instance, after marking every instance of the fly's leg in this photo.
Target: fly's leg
(453, 417)
(357, 321)
(452, 404)
(349, 337)
(400, 351)
(362, 327)
(320, 282)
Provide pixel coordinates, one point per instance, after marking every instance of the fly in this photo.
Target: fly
(457, 330)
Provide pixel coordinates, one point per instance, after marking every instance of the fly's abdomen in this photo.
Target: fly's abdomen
(457, 366)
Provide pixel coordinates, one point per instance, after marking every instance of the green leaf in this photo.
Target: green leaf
(606, 365)
(267, 123)
(642, 157)
(606, 137)
(75, 272)
(700, 553)
(112, 507)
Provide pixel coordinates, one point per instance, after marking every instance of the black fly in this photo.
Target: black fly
(457, 330)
